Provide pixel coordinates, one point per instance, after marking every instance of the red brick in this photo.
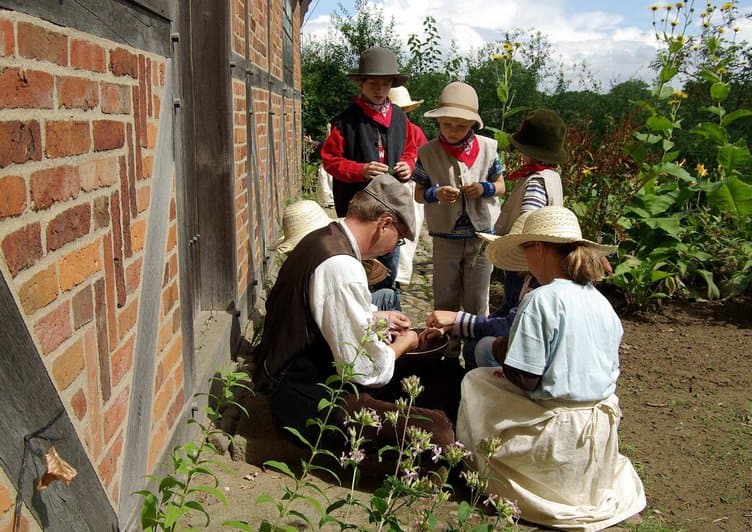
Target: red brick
(66, 137)
(131, 170)
(78, 402)
(97, 173)
(101, 212)
(143, 197)
(54, 184)
(54, 328)
(25, 89)
(109, 277)
(86, 55)
(108, 135)
(39, 291)
(147, 165)
(7, 42)
(117, 249)
(108, 465)
(114, 415)
(123, 63)
(122, 361)
(116, 99)
(68, 366)
(77, 93)
(68, 226)
(22, 141)
(83, 307)
(12, 196)
(23, 248)
(128, 316)
(6, 502)
(133, 275)
(37, 43)
(103, 345)
(79, 265)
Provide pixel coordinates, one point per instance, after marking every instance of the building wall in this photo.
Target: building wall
(79, 126)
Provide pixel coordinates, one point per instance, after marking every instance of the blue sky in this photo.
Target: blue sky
(614, 38)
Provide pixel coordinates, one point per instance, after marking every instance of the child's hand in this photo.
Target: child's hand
(441, 318)
(374, 168)
(473, 190)
(401, 171)
(448, 194)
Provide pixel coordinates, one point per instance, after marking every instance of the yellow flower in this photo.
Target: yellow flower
(497, 57)
(679, 5)
(681, 95)
(701, 171)
(587, 170)
(727, 6)
(654, 8)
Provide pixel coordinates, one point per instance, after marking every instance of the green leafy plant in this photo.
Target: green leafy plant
(177, 491)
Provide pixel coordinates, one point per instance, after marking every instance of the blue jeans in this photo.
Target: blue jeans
(386, 299)
(484, 357)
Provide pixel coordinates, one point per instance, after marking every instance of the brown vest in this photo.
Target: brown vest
(289, 328)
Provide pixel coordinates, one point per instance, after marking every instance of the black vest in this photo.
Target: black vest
(289, 328)
(361, 144)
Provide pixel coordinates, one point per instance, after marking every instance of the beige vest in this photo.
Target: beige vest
(513, 204)
(446, 170)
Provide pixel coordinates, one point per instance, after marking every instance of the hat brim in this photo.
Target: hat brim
(412, 106)
(399, 79)
(285, 245)
(505, 252)
(453, 112)
(540, 154)
(487, 237)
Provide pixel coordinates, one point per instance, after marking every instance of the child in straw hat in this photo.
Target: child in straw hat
(458, 178)
(400, 97)
(555, 402)
(537, 182)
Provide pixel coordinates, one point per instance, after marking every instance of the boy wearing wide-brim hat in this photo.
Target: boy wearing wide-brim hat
(370, 138)
(458, 178)
(537, 183)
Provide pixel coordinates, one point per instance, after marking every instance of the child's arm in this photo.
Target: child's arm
(425, 192)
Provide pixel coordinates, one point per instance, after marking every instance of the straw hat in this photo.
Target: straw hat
(457, 100)
(299, 219)
(401, 98)
(378, 62)
(557, 225)
(541, 136)
(516, 229)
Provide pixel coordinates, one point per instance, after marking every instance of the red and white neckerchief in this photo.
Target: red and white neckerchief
(529, 169)
(379, 113)
(466, 150)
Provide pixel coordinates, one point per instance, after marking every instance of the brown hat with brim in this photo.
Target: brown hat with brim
(379, 62)
(541, 136)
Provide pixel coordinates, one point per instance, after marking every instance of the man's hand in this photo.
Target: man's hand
(374, 168)
(405, 343)
(396, 319)
(402, 171)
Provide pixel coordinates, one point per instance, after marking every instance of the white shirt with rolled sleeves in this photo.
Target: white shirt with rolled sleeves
(341, 307)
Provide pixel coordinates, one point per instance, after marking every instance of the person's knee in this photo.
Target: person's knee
(484, 357)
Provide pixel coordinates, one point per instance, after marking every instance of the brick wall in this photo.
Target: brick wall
(7, 504)
(78, 129)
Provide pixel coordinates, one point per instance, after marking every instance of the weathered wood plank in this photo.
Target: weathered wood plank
(29, 402)
(142, 24)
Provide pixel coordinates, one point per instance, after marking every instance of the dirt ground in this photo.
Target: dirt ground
(686, 396)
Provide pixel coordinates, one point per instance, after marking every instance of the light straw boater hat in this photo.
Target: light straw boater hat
(299, 219)
(457, 100)
(378, 62)
(516, 229)
(556, 225)
(401, 98)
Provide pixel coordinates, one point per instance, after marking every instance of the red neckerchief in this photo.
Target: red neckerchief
(529, 169)
(466, 150)
(381, 114)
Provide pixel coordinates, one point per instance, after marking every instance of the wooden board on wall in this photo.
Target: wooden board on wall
(29, 402)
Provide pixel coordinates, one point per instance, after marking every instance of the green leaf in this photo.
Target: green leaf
(172, 514)
(735, 115)
(214, 492)
(666, 92)
(280, 466)
(710, 131)
(713, 292)
(514, 111)
(708, 75)
(667, 73)
(648, 137)
(674, 170)
(240, 525)
(463, 512)
(198, 507)
(659, 123)
(732, 157)
(671, 226)
(719, 91)
(265, 498)
(732, 196)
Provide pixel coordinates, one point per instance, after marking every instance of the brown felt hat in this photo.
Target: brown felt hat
(397, 198)
(541, 136)
(379, 62)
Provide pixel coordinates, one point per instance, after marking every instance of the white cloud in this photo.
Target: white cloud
(613, 48)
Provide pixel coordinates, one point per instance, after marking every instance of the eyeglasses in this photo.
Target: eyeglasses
(400, 238)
